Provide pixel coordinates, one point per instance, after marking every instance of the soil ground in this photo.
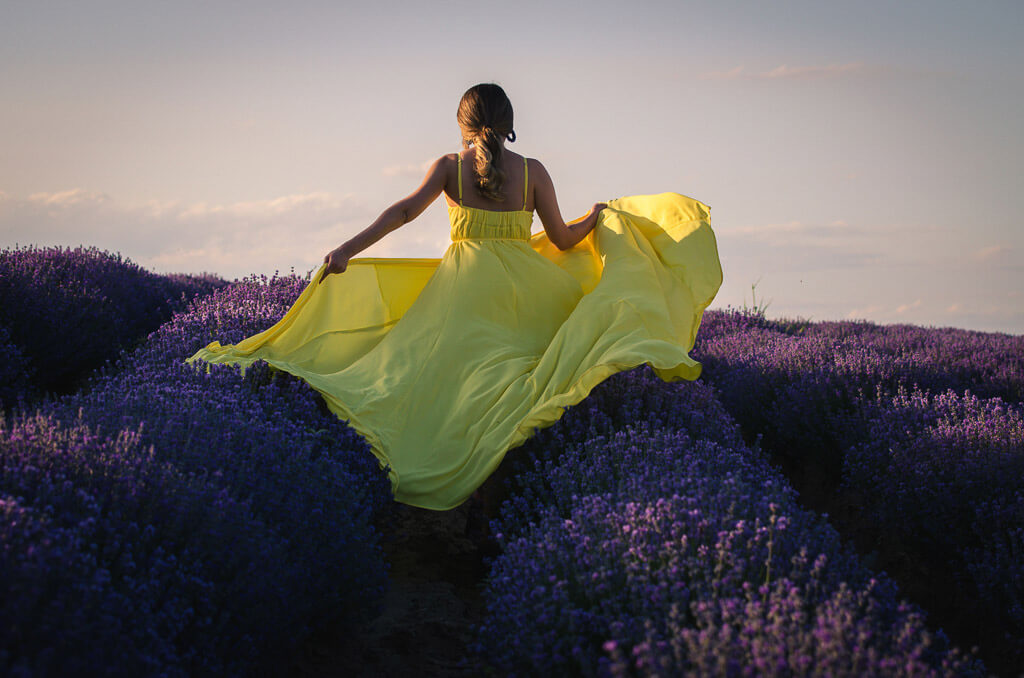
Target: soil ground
(428, 614)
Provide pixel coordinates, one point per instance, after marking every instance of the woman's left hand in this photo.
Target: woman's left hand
(337, 262)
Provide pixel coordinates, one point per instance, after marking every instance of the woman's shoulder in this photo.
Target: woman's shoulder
(448, 163)
(536, 167)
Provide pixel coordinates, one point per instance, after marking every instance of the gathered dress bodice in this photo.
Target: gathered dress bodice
(473, 223)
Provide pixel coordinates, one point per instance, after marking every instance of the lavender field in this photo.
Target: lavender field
(828, 499)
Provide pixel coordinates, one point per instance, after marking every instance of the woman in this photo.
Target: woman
(444, 365)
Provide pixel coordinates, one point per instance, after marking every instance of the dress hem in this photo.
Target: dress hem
(542, 417)
(550, 413)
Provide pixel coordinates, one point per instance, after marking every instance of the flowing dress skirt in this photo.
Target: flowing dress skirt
(444, 365)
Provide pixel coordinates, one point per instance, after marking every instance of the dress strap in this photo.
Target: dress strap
(460, 177)
(526, 182)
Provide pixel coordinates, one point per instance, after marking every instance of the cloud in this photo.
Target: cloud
(230, 239)
(994, 252)
(408, 170)
(864, 312)
(836, 227)
(884, 311)
(76, 197)
(903, 308)
(800, 246)
(307, 203)
(786, 72)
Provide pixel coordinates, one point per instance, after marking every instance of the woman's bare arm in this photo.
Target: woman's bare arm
(562, 235)
(399, 214)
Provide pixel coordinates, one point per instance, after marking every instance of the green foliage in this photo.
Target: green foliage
(755, 309)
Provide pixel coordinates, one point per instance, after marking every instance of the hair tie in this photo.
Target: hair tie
(511, 136)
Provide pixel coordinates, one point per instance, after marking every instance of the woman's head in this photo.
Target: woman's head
(485, 117)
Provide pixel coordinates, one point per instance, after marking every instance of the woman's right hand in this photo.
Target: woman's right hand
(598, 206)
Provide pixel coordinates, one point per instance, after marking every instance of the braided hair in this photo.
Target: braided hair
(485, 116)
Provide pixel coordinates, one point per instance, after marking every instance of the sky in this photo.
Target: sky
(862, 160)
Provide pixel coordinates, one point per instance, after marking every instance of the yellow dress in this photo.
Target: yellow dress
(444, 365)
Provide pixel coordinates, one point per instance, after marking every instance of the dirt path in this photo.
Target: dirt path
(428, 613)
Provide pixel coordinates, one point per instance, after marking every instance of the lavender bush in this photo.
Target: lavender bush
(648, 550)
(784, 629)
(15, 371)
(168, 519)
(936, 478)
(989, 364)
(67, 311)
(118, 564)
(911, 436)
(547, 473)
(791, 384)
(299, 549)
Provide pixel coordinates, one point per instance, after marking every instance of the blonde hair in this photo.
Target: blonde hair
(485, 116)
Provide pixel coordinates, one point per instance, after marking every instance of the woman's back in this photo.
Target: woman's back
(526, 187)
(516, 184)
